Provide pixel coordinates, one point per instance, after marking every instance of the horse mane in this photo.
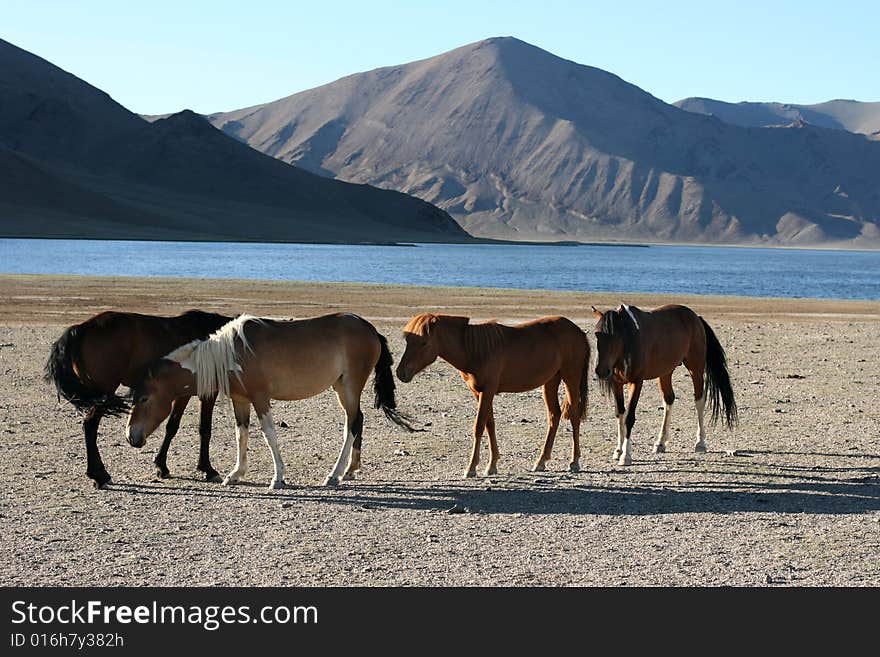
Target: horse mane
(213, 359)
(482, 340)
(618, 323)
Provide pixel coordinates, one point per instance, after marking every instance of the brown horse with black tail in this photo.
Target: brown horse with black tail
(493, 358)
(92, 359)
(636, 345)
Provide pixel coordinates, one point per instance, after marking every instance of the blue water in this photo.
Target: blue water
(630, 269)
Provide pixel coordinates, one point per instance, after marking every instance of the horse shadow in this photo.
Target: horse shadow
(558, 493)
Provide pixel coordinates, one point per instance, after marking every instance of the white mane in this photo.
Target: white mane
(213, 359)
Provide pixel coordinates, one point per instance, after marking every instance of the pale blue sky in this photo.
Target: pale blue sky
(162, 56)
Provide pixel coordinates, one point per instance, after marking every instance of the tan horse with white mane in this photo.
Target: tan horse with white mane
(493, 358)
(253, 360)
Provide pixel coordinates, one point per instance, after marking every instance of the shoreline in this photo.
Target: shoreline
(485, 241)
(65, 299)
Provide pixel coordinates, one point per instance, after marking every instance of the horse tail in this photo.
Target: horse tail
(718, 387)
(383, 386)
(584, 388)
(63, 370)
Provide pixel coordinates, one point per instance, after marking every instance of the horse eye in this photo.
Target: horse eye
(144, 399)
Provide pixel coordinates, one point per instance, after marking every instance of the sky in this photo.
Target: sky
(160, 56)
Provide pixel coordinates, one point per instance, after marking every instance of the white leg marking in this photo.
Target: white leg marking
(663, 436)
(623, 453)
(700, 445)
(271, 437)
(354, 464)
(240, 469)
(344, 455)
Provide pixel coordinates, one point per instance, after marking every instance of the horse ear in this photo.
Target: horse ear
(597, 313)
(432, 320)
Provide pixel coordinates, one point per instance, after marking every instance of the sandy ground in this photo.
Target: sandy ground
(798, 503)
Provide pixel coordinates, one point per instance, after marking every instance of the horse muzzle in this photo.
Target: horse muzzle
(135, 437)
(604, 375)
(404, 375)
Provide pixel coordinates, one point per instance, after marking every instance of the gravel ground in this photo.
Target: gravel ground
(791, 497)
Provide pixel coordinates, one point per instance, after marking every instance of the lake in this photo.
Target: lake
(627, 269)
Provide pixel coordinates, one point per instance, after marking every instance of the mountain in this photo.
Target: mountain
(517, 143)
(74, 163)
(849, 115)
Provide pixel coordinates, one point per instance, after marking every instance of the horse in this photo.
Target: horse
(92, 359)
(493, 358)
(254, 360)
(635, 345)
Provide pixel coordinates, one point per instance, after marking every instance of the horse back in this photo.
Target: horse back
(116, 347)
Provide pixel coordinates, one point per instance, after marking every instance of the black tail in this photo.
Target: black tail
(585, 386)
(383, 386)
(60, 371)
(718, 388)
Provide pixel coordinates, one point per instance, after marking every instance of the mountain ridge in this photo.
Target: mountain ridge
(839, 114)
(78, 164)
(516, 142)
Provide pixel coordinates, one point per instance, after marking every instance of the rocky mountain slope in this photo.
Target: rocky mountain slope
(517, 143)
(849, 115)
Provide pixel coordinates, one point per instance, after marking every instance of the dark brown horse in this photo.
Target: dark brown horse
(636, 345)
(494, 358)
(90, 361)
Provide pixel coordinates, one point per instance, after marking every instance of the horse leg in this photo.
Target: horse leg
(94, 466)
(264, 413)
(357, 429)
(350, 400)
(635, 389)
(495, 455)
(206, 414)
(700, 403)
(665, 383)
(242, 411)
(573, 389)
(171, 427)
(484, 408)
(620, 414)
(554, 414)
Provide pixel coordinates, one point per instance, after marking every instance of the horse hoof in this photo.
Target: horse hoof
(230, 481)
(574, 466)
(331, 481)
(470, 474)
(348, 476)
(625, 460)
(701, 448)
(539, 467)
(101, 480)
(277, 484)
(659, 449)
(214, 478)
(162, 473)
(616, 455)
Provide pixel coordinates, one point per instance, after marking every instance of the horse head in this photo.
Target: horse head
(615, 340)
(153, 397)
(422, 346)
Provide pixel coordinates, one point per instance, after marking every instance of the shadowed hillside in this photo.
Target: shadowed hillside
(77, 164)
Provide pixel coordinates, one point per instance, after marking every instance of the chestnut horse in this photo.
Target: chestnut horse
(253, 360)
(92, 359)
(493, 358)
(635, 345)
